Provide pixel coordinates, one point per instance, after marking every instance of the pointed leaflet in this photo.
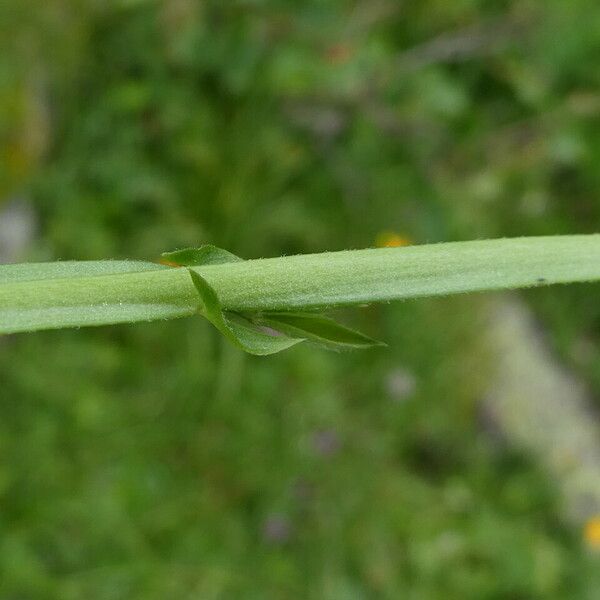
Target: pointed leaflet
(204, 255)
(242, 333)
(318, 329)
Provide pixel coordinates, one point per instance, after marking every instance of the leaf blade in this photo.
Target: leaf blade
(32, 300)
(15, 273)
(319, 329)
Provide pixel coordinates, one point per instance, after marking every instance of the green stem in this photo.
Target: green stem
(142, 291)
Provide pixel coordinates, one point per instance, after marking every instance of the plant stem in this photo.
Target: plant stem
(296, 282)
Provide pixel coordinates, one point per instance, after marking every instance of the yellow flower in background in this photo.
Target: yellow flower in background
(390, 239)
(591, 533)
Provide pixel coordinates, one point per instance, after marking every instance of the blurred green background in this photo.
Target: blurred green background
(154, 461)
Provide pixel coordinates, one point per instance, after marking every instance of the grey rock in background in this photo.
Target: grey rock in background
(17, 229)
(544, 409)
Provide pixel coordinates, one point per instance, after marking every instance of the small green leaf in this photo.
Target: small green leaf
(196, 257)
(241, 332)
(318, 329)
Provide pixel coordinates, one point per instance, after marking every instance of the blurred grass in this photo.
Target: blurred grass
(150, 461)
